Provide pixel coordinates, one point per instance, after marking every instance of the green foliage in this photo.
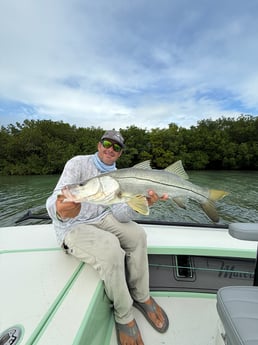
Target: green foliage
(44, 146)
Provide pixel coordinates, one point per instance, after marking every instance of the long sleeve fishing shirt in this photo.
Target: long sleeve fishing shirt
(79, 169)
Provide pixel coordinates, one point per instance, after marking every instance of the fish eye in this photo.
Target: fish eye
(119, 194)
(81, 184)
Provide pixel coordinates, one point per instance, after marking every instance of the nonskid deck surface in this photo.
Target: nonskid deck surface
(193, 321)
(33, 249)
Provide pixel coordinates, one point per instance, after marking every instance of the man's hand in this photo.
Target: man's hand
(67, 209)
(153, 197)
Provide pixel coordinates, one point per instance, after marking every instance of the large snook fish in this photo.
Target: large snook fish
(131, 186)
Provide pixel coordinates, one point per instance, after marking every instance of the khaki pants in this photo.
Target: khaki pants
(118, 251)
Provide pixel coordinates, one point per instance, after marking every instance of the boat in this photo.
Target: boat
(48, 297)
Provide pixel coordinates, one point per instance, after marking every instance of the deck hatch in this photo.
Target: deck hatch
(184, 267)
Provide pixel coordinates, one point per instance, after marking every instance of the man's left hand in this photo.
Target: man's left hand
(153, 197)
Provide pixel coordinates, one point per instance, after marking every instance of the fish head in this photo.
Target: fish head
(99, 190)
(79, 192)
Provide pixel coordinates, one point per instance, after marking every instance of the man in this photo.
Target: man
(106, 238)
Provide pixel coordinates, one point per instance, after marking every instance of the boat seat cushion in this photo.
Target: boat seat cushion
(238, 310)
(244, 231)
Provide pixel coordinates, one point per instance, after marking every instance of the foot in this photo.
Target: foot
(154, 314)
(157, 315)
(128, 334)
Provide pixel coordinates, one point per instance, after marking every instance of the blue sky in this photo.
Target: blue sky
(113, 64)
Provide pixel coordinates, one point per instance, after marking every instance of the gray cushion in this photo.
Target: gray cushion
(244, 231)
(238, 310)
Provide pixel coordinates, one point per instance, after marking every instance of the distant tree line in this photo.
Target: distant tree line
(43, 146)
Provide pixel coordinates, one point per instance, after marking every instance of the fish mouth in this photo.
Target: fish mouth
(68, 195)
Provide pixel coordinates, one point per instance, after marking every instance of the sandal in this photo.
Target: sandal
(132, 332)
(152, 308)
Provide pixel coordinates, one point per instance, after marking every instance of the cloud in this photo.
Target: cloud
(117, 64)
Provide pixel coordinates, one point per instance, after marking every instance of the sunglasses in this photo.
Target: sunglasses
(107, 144)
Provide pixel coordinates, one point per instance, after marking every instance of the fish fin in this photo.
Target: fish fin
(209, 208)
(178, 169)
(215, 194)
(143, 165)
(179, 202)
(139, 204)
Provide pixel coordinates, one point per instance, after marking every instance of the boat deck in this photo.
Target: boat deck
(211, 241)
(163, 239)
(55, 299)
(193, 320)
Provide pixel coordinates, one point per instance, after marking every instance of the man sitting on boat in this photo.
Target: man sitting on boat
(105, 237)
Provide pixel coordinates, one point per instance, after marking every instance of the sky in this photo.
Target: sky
(117, 63)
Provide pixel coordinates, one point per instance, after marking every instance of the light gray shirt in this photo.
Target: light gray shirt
(79, 169)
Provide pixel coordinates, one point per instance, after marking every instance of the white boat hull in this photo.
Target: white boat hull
(54, 299)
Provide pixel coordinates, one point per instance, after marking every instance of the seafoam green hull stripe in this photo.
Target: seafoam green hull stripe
(183, 294)
(28, 250)
(96, 327)
(46, 319)
(228, 252)
(97, 324)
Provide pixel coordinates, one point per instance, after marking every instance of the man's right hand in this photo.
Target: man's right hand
(67, 209)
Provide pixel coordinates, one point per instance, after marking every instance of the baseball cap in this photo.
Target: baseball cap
(115, 136)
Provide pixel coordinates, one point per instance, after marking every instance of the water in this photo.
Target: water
(18, 194)
(241, 205)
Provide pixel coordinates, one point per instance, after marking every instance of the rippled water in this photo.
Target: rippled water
(241, 205)
(18, 194)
